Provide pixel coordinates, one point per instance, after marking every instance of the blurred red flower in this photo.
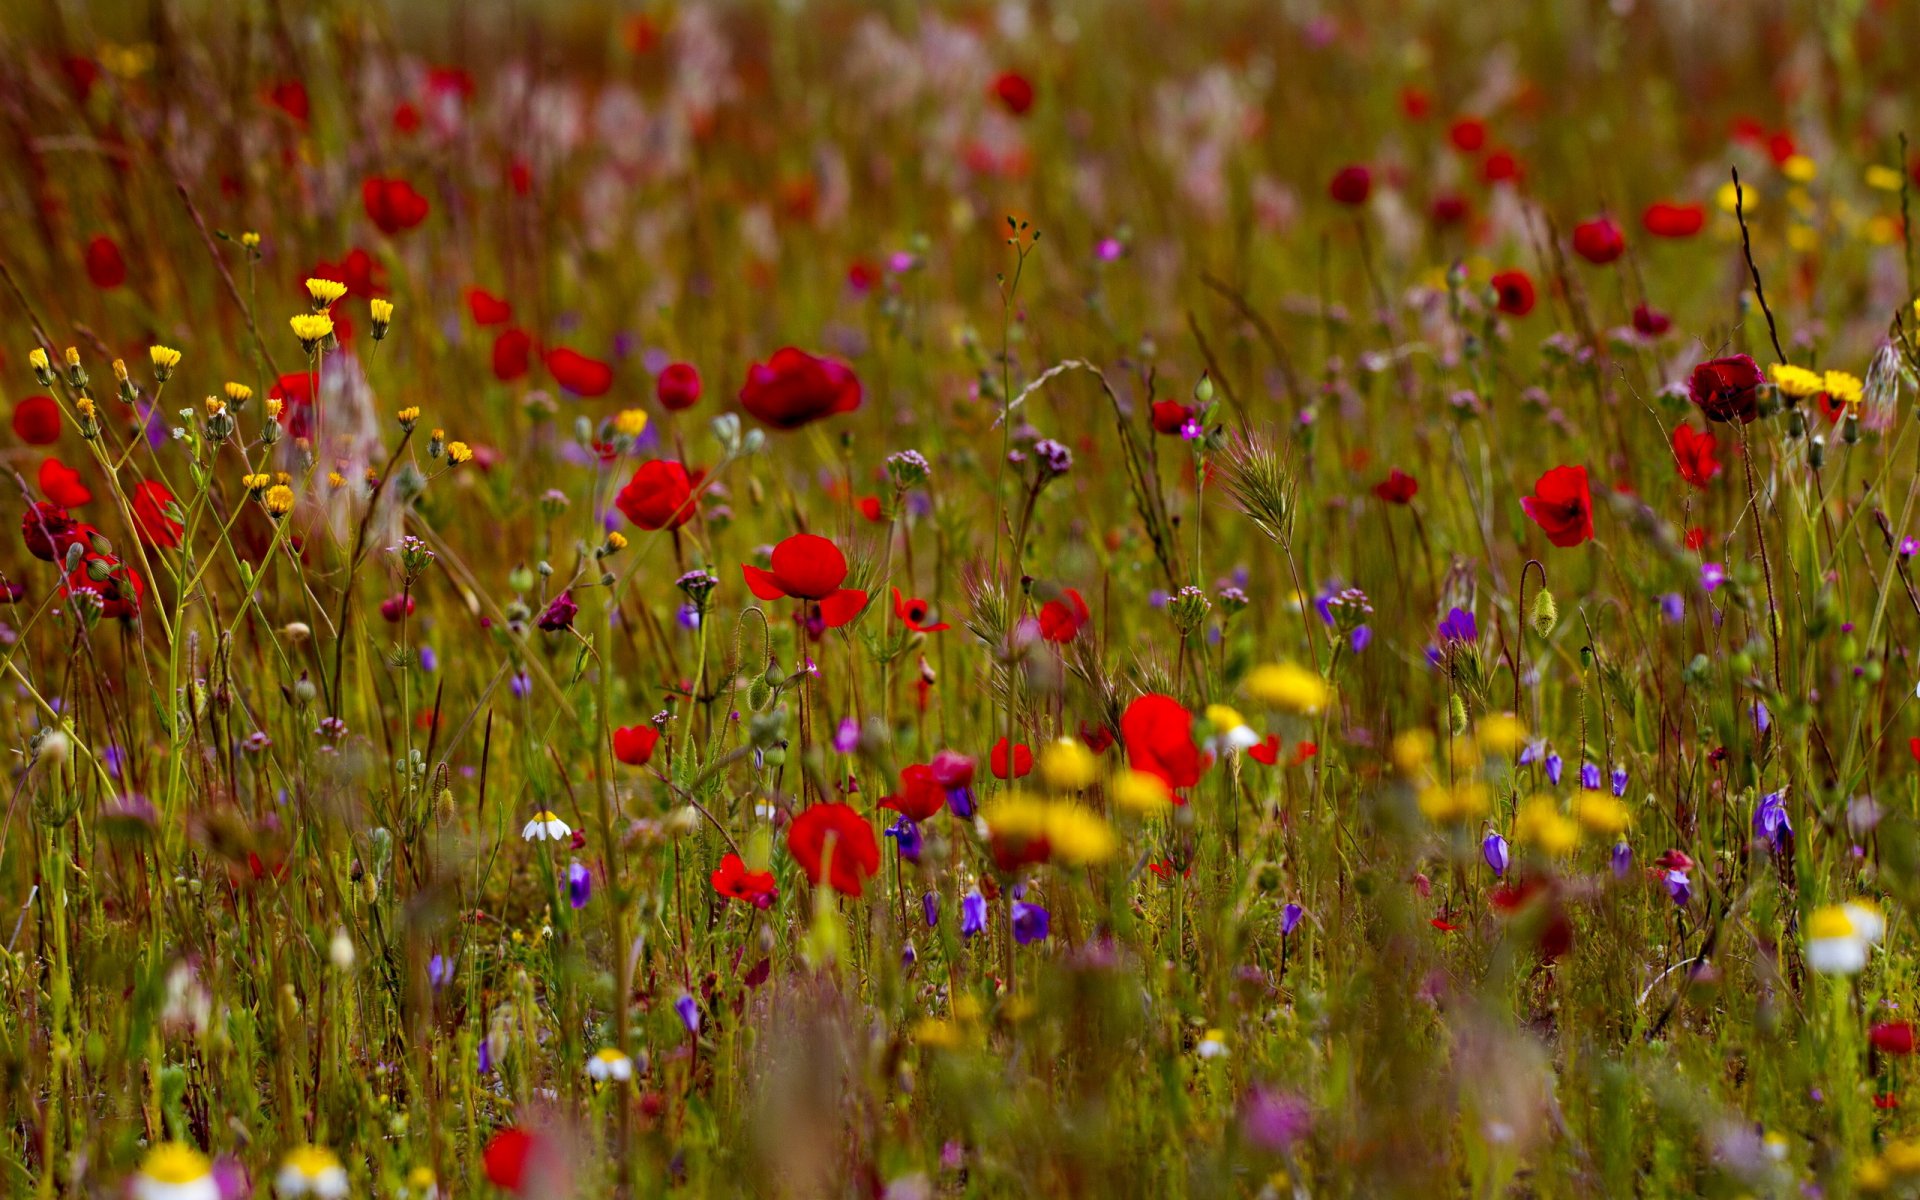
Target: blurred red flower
(1599, 241)
(61, 484)
(579, 374)
(512, 355)
(36, 421)
(1014, 91)
(1727, 389)
(732, 880)
(1513, 293)
(1693, 455)
(1158, 732)
(486, 308)
(913, 612)
(1061, 620)
(1022, 760)
(921, 794)
(150, 519)
(835, 841)
(1351, 185)
(290, 97)
(678, 387)
(1650, 322)
(105, 267)
(1397, 488)
(1892, 1037)
(1669, 220)
(794, 388)
(393, 205)
(1562, 505)
(1169, 416)
(634, 744)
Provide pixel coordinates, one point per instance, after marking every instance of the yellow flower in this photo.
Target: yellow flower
(1871, 1176)
(165, 359)
(311, 1171)
(1795, 381)
(256, 485)
(1464, 801)
(1601, 813)
(616, 540)
(630, 422)
(311, 329)
(238, 394)
(1729, 197)
(1541, 823)
(1882, 178)
(170, 1167)
(408, 416)
(1902, 1157)
(325, 292)
(1413, 750)
(279, 500)
(1288, 686)
(1799, 168)
(1068, 766)
(1501, 733)
(274, 407)
(381, 311)
(42, 364)
(250, 240)
(1075, 834)
(1843, 387)
(459, 452)
(215, 406)
(941, 1035)
(1139, 792)
(1803, 239)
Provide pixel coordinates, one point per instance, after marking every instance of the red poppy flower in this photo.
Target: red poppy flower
(1158, 732)
(1304, 751)
(512, 355)
(1443, 925)
(1061, 620)
(294, 390)
(1014, 91)
(105, 267)
(1022, 760)
(1781, 147)
(1668, 220)
(1885, 1100)
(913, 614)
(1449, 208)
(1599, 241)
(735, 882)
(393, 205)
(290, 97)
(1415, 103)
(1397, 488)
(1693, 455)
(36, 420)
(406, 117)
(679, 387)
(794, 388)
(487, 308)
(1351, 185)
(119, 588)
(1892, 1037)
(61, 484)
(363, 274)
(1468, 135)
(1266, 753)
(1502, 167)
(524, 1164)
(1169, 416)
(660, 495)
(150, 519)
(1650, 322)
(634, 744)
(872, 509)
(921, 794)
(1727, 389)
(1513, 293)
(47, 530)
(854, 856)
(807, 566)
(1096, 738)
(1562, 506)
(579, 374)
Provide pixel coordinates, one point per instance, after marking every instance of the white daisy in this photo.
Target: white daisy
(175, 1171)
(311, 1171)
(610, 1064)
(546, 826)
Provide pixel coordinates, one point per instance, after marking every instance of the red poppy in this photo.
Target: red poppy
(1415, 103)
(807, 566)
(1158, 732)
(118, 589)
(294, 390)
(1443, 925)
(105, 267)
(1449, 208)
(735, 882)
(61, 484)
(1266, 753)
(872, 509)
(406, 117)
(1599, 241)
(1468, 135)
(794, 388)
(1693, 455)
(913, 614)
(634, 744)
(678, 387)
(921, 794)
(523, 1164)
(1014, 91)
(1668, 220)
(1727, 389)
(579, 374)
(1830, 408)
(1892, 1037)
(1169, 416)
(1780, 147)
(1650, 322)
(36, 420)
(358, 269)
(1061, 620)
(1562, 505)
(1304, 751)
(1351, 185)
(1513, 293)
(150, 519)
(451, 81)
(47, 530)
(1022, 760)
(660, 495)
(487, 308)
(854, 856)
(290, 97)
(1696, 538)
(512, 355)
(393, 205)
(1397, 488)
(1096, 738)
(1502, 167)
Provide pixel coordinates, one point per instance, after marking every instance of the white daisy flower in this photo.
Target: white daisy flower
(1213, 1044)
(1230, 731)
(175, 1171)
(311, 1171)
(610, 1064)
(1837, 942)
(546, 826)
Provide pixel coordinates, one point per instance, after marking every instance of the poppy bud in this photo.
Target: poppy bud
(1457, 714)
(1817, 452)
(1546, 614)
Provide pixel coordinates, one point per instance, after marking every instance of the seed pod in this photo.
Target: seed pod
(1546, 614)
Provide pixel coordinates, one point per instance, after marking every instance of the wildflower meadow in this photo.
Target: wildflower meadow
(1001, 598)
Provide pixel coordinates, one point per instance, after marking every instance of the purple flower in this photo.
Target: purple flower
(1030, 923)
(559, 614)
(1494, 850)
(429, 661)
(689, 1011)
(1619, 780)
(1274, 1121)
(1108, 249)
(1908, 546)
(1712, 575)
(1589, 777)
(231, 1178)
(1360, 638)
(847, 736)
(439, 972)
(1679, 887)
(579, 885)
(973, 913)
(1290, 919)
(1458, 626)
(907, 838)
(1762, 719)
(1770, 821)
(483, 1060)
(908, 956)
(1673, 607)
(1622, 859)
(521, 685)
(930, 908)
(1531, 752)
(1555, 766)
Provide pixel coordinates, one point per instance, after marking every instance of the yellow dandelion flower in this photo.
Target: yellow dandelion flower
(1501, 733)
(1795, 381)
(164, 359)
(459, 453)
(311, 329)
(1882, 178)
(279, 500)
(1139, 792)
(1800, 169)
(238, 394)
(1413, 750)
(1541, 823)
(1288, 686)
(1601, 813)
(325, 292)
(630, 422)
(1843, 387)
(1074, 834)
(1068, 766)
